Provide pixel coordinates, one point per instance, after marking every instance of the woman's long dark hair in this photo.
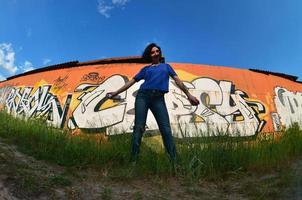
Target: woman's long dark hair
(147, 53)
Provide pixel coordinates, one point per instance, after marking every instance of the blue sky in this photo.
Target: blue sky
(261, 34)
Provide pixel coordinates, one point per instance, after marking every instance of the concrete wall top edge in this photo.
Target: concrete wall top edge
(139, 60)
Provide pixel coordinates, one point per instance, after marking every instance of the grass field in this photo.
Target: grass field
(202, 157)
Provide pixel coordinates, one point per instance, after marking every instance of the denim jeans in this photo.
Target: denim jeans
(153, 100)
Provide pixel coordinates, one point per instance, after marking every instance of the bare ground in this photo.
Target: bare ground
(23, 177)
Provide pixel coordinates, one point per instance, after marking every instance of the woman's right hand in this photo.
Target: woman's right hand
(193, 100)
(111, 94)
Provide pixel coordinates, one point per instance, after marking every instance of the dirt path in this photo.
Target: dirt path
(294, 189)
(23, 177)
(4, 192)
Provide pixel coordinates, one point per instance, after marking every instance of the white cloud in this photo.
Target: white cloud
(120, 2)
(7, 58)
(104, 7)
(7, 61)
(46, 61)
(27, 66)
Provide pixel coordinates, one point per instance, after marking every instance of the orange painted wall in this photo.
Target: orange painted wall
(280, 97)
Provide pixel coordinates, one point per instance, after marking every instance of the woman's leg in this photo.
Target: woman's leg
(160, 112)
(141, 111)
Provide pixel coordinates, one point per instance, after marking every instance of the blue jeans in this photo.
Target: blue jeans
(153, 100)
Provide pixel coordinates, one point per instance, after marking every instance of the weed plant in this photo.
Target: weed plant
(197, 157)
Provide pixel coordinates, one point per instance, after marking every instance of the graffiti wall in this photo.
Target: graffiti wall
(236, 102)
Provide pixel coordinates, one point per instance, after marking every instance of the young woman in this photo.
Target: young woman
(151, 96)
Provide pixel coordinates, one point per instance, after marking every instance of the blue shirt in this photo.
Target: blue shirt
(156, 77)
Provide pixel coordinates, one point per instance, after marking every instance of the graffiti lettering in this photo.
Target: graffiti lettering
(93, 76)
(40, 103)
(276, 122)
(223, 110)
(289, 106)
(60, 83)
(90, 112)
(4, 92)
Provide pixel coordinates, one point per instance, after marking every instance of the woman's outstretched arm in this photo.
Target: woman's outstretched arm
(193, 100)
(122, 89)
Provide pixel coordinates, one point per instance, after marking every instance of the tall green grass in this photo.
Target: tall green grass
(197, 157)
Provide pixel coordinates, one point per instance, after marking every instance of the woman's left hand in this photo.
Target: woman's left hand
(193, 100)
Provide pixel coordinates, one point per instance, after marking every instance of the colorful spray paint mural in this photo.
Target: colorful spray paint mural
(236, 102)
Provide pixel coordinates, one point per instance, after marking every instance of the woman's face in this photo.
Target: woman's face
(155, 54)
